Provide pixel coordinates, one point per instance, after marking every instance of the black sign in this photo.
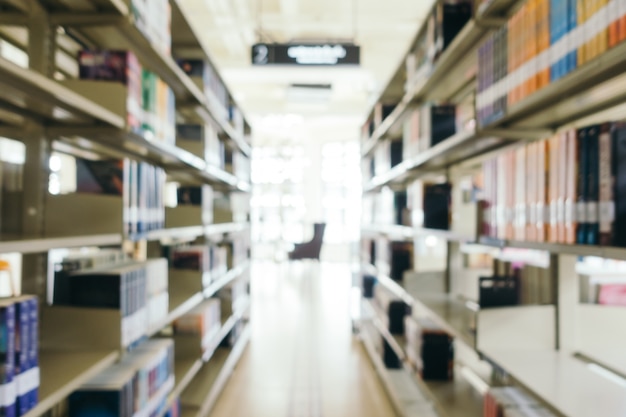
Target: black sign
(306, 54)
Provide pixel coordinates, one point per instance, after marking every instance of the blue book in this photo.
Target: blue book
(572, 53)
(7, 359)
(33, 351)
(22, 347)
(555, 25)
(563, 30)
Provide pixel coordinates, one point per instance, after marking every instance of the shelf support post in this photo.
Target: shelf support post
(41, 52)
(567, 301)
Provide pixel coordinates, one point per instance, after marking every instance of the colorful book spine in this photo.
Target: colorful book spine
(7, 360)
(553, 188)
(22, 348)
(572, 50)
(581, 19)
(543, 186)
(614, 20)
(33, 352)
(622, 20)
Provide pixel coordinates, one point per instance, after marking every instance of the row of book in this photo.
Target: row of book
(423, 204)
(607, 289)
(426, 127)
(140, 184)
(541, 43)
(517, 283)
(153, 18)
(195, 332)
(138, 290)
(137, 385)
(512, 402)
(442, 26)
(211, 260)
(117, 80)
(569, 189)
(19, 355)
(206, 77)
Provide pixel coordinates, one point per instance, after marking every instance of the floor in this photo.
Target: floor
(303, 360)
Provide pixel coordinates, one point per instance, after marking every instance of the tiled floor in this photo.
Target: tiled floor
(303, 360)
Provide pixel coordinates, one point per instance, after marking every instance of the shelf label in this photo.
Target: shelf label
(305, 54)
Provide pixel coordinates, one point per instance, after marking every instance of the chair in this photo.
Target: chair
(311, 249)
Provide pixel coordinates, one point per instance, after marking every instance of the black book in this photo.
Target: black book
(390, 358)
(498, 291)
(582, 186)
(454, 17)
(442, 123)
(593, 185)
(396, 312)
(437, 199)
(396, 150)
(401, 259)
(400, 206)
(619, 173)
(369, 281)
(437, 355)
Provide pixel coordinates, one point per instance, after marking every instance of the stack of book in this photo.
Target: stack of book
(426, 127)
(138, 385)
(443, 24)
(19, 322)
(203, 141)
(512, 402)
(394, 309)
(153, 19)
(541, 43)
(569, 189)
(430, 349)
(135, 289)
(206, 77)
(234, 296)
(195, 331)
(401, 259)
(211, 260)
(116, 80)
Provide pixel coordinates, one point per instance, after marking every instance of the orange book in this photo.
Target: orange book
(512, 49)
(581, 17)
(515, 52)
(589, 9)
(571, 172)
(543, 43)
(524, 51)
(531, 45)
(553, 188)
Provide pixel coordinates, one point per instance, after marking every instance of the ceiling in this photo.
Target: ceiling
(383, 29)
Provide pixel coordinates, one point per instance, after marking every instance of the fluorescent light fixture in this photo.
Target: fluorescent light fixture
(310, 93)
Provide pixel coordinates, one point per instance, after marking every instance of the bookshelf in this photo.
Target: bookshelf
(50, 112)
(63, 372)
(550, 349)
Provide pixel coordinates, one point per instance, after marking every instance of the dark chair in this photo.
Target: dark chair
(311, 249)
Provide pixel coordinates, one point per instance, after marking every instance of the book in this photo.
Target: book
(553, 187)
(8, 407)
(582, 185)
(593, 185)
(619, 173)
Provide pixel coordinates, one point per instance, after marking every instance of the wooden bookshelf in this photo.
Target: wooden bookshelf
(63, 372)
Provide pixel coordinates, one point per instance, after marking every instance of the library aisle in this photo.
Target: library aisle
(303, 359)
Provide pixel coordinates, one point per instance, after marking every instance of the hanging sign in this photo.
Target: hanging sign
(326, 54)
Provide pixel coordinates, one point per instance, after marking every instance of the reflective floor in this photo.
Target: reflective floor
(303, 360)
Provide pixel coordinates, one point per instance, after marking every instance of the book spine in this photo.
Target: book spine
(554, 37)
(581, 19)
(553, 188)
(33, 351)
(613, 21)
(606, 207)
(619, 173)
(126, 197)
(572, 50)
(7, 361)
(543, 199)
(602, 38)
(593, 185)
(572, 169)
(520, 194)
(582, 187)
(22, 347)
